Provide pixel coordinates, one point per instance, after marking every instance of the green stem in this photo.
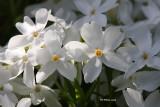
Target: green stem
(57, 84)
(109, 80)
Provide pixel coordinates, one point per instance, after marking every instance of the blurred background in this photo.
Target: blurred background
(11, 12)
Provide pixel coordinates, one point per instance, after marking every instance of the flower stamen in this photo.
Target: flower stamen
(55, 58)
(98, 52)
(35, 34)
(93, 12)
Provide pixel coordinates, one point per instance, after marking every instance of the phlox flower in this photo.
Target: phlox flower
(53, 57)
(92, 9)
(99, 48)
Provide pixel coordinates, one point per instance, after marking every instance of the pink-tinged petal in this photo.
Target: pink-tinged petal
(52, 41)
(28, 75)
(67, 69)
(45, 72)
(24, 102)
(92, 35)
(42, 18)
(112, 38)
(109, 4)
(43, 56)
(133, 98)
(83, 6)
(100, 19)
(134, 67)
(147, 80)
(92, 70)
(18, 41)
(27, 27)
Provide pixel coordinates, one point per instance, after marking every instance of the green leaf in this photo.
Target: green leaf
(70, 88)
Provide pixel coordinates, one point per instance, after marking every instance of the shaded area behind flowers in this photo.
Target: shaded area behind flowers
(11, 12)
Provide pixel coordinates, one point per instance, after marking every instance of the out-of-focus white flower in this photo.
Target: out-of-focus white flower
(143, 53)
(38, 93)
(53, 57)
(135, 99)
(7, 98)
(92, 9)
(31, 32)
(99, 48)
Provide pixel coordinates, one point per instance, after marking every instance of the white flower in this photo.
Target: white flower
(53, 57)
(143, 53)
(135, 98)
(93, 11)
(7, 98)
(20, 59)
(99, 48)
(31, 32)
(38, 93)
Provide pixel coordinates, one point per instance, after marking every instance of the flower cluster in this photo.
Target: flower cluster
(118, 38)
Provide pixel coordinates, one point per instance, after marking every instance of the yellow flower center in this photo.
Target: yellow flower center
(98, 52)
(55, 58)
(145, 56)
(93, 12)
(6, 67)
(25, 58)
(35, 34)
(37, 89)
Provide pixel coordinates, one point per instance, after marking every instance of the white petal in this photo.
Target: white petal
(50, 99)
(15, 54)
(52, 41)
(143, 42)
(6, 101)
(67, 69)
(41, 18)
(24, 102)
(101, 19)
(151, 10)
(77, 51)
(19, 87)
(94, 3)
(112, 38)
(147, 80)
(83, 6)
(109, 4)
(80, 22)
(27, 27)
(153, 99)
(20, 41)
(36, 98)
(28, 75)
(115, 61)
(4, 76)
(45, 71)
(43, 56)
(154, 62)
(134, 67)
(120, 82)
(133, 98)
(71, 34)
(92, 70)
(92, 35)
